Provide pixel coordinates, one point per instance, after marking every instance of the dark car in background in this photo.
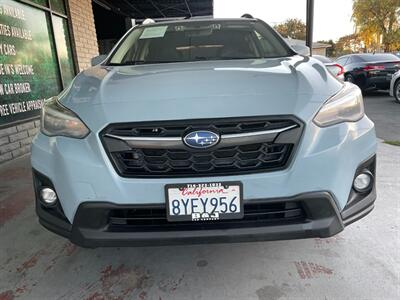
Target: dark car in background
(336, 69)
(370, 71)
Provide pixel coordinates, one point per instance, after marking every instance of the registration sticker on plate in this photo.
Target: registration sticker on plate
(204, 201)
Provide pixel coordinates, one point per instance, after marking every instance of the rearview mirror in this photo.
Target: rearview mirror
(97, 60)
(301, 49)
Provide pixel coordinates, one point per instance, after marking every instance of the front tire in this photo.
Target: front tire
(396, 91)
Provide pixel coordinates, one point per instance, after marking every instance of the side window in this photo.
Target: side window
(266, 46)
(350, 61)
(127, 50)
(342, 61)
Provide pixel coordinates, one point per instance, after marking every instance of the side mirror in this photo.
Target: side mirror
(98, 60)
(301, 49)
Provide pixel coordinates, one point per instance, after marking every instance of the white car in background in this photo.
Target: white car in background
(336, 69)
(395, 86)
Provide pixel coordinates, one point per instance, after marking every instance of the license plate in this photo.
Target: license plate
(204, 201)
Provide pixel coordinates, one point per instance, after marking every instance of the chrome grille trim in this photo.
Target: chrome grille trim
(226, 140)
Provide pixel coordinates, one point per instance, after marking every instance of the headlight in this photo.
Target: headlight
(57, 120)
(345, 106)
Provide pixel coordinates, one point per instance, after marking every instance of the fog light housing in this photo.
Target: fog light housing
(363, 182)
(48, 196)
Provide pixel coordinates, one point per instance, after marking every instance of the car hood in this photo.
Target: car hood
(283, 86)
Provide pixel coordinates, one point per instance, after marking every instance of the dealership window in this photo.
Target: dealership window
(61, 34)
(40, 2)
(36, 60)
(58, 6)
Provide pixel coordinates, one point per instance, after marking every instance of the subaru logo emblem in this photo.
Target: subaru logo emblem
(201, 139)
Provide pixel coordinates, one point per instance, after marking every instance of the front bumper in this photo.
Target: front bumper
(381, 82)
(92, 228)
(99, 224)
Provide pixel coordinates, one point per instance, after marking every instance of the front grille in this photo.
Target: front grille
(154, 218)
(178, 128)
(186, 162)
(221, 161)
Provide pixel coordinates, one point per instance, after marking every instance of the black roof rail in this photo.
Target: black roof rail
(247, 16)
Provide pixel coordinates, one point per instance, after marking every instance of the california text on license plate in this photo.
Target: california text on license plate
(204, 201)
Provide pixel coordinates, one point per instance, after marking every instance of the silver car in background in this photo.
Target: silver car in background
(395, 86)
(336, 69)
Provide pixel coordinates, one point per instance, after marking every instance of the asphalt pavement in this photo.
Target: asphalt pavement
(385, 112)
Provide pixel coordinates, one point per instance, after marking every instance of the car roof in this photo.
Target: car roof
(366, 54)
(201, 19)
(370, 57)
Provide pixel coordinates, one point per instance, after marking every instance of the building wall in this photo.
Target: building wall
(319, 51)
(84, 31)
(15, 140)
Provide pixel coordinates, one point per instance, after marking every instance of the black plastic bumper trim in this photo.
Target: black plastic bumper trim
(51, 217)
(360, 204)
(360, 209)
(323, 220)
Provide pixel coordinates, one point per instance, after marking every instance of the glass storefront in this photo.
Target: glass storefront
(36, 60)
(61, 35)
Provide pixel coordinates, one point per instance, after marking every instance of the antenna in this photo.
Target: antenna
(148, 21)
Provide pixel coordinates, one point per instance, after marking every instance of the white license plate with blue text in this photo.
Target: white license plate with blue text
(204, 201)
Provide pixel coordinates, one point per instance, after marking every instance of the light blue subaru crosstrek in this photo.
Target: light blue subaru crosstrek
(203, 130)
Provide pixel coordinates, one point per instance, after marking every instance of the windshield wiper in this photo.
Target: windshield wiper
(126, 63)
(236, 57)
(198, 58)
(143, 62)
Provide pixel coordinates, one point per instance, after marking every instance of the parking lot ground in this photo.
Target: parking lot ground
(362, 262)
(385, 112)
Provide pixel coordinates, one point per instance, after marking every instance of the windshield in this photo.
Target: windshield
(199, 41)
